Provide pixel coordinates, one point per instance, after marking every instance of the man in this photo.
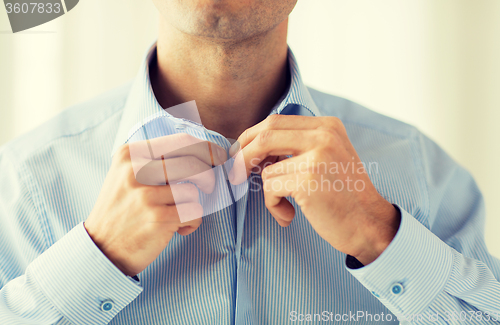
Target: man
(377, 222)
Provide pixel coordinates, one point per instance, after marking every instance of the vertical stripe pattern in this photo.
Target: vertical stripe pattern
(240, 267)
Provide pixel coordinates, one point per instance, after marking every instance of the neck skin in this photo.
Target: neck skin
(235, 83)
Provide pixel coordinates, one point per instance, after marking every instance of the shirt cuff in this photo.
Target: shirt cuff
(411, 271)
(80, 281)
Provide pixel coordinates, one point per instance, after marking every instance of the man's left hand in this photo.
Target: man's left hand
(325, 177)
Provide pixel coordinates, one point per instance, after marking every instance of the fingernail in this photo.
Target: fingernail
(234, 149)
(231, 175)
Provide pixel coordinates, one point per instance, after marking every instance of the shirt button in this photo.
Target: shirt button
(180, 126)
(397, 289)
(107, 305)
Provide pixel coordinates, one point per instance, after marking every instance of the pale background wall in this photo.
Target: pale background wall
(434, 64)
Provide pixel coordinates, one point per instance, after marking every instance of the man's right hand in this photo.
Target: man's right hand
(135, 215)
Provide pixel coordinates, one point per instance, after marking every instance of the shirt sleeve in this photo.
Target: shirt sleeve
(438, 269)
(71, 281)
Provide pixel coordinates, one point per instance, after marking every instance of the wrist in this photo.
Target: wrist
(378, 233)
(116, 261)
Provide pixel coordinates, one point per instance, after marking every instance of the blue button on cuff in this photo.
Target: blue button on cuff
(107, 305)
(397, 289)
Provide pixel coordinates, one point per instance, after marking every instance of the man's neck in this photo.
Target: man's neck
(235, 84)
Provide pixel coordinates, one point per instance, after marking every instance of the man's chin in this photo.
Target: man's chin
(225, 20)
(216, 27)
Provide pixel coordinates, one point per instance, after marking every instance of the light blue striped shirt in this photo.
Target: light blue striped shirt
(240, 267)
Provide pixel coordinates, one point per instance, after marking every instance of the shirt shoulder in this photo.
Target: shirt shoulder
(74, 120)
(364, 124)
(355, 114)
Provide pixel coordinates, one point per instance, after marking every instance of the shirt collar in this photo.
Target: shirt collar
(141, 102)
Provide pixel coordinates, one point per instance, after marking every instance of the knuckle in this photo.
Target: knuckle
(273, 121)
(123, 153)
(320, 155)
(266, 172)
(166, 216)
(333, 122)
(245, 136)
(311, 170)
(308, 176)
(160, 216)
(302, 198)
(264, 137)
(170, 215)
(130, 179)
(327, 136)
(127, 176)
(145, 195)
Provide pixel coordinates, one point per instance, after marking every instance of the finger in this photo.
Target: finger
(170, 171)
(269, 161)
(176, 145)
(190, 227)
(278, 122)
(283, 212)
(272, 143)
(208, 152)
(263, 164)
(189, 212)
(275, 192)
(183, 144)
(179, 215)
(174, 194)
(298, 164)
